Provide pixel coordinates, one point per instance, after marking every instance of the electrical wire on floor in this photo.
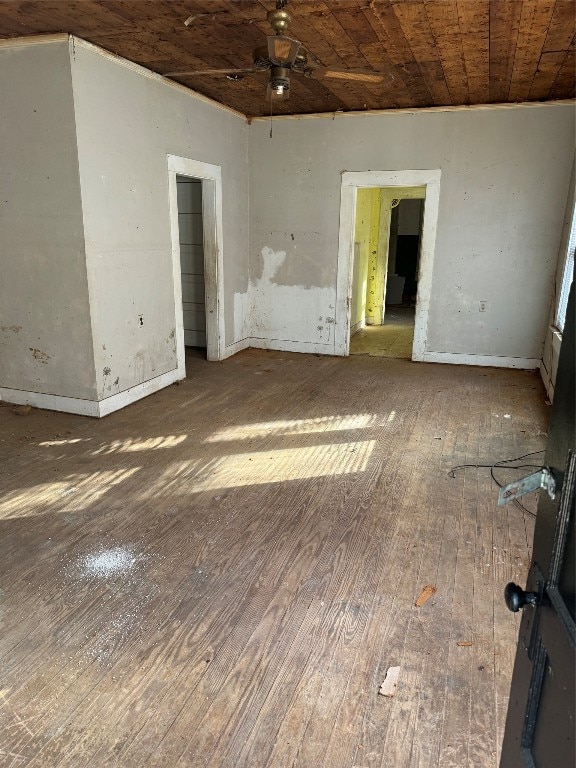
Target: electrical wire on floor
(505, 464)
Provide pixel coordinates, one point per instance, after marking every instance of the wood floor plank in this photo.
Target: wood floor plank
(411, 729)
(222, 573)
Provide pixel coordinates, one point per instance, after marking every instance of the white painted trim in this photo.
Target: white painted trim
(492, 361)
(282, 345)
(49, 402)
(176, 271)
(547, 377)
(26, 42)
(351, 181)
(211, 176)
(213, 264)
(547, 381)
(127, 64)
(237, 346)
(14, 42)
(345, 268)
(61, 37)
(384, 232)
(90, 407)
(416, 111)
(556, 339)
(122, 399)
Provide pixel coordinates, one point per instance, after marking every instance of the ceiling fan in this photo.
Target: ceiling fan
(281, 56)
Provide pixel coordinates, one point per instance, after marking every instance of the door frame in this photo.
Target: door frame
(211, 178)
(351, 181)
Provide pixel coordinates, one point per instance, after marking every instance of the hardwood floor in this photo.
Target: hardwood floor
(221, 574)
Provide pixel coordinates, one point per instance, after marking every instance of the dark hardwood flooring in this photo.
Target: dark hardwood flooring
(221, 574)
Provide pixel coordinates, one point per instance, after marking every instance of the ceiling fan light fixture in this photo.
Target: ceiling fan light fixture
(279, 84)
(282, 50)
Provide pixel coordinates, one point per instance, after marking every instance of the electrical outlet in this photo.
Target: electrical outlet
(140, 320)
(483, 306)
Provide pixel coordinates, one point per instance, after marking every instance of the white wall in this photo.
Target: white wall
(553, 337)
(127, 122)
(505, 175)
(45, 334)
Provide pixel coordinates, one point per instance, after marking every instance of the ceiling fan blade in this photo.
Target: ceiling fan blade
(360, 75)
(213, 72)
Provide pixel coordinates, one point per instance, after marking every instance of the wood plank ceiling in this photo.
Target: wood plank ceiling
(431, 52)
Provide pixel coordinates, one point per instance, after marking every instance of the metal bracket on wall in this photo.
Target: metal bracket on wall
(541, 479)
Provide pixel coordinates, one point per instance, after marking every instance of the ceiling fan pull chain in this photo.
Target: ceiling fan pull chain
(271, 107)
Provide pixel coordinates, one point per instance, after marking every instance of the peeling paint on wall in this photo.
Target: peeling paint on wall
(271, 310)
(242, 329)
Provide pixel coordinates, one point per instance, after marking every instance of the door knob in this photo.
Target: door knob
(517, 598)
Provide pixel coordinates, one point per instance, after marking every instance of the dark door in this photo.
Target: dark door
(541, 711)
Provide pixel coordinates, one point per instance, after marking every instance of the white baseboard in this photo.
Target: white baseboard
(235, 347)
(122, 399)
(282, 345)
(50, 402)
(492, 361)
(93, 408)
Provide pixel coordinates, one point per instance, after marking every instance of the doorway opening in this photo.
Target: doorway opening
(387, 236)
(191, 241)
(370, 291)
(195, 198)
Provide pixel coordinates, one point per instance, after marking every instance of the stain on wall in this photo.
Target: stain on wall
(39, 355)
(283, 312)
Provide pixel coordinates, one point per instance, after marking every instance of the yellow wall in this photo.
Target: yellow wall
(371, 238)
(376, 263)
(361, 255)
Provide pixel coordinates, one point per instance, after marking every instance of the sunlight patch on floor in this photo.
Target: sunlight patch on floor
(71, 441)
(72, 495)
(132, 445)
(294, 427)
(260, 468)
